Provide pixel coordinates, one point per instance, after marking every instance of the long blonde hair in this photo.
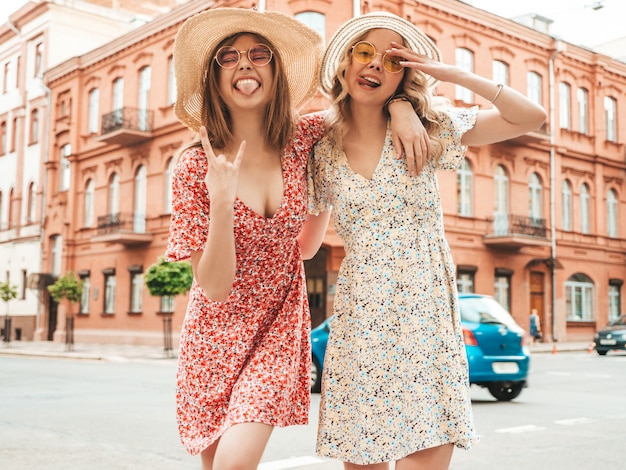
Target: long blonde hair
(413, 85)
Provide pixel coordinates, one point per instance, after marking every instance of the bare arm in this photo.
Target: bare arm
(410, 137)
(513, 115)
(214, 268)
(312, 234)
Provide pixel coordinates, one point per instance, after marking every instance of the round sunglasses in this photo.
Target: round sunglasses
(364, 52)
(228, 57)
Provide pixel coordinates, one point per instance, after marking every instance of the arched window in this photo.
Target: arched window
(534, 90)
(114, 195)
(610, 116)
(143, 97)
(582, 96)
(566, 196)
(565, 105)
(313, 20)
(94, 110)
(56, 248)
(579, 298)
(464, 178)
(64, 168)
(464, 60)
(168, 185)
(89, 203)
(501, 201)
(3, 137)
(500, 72)
(171, 81)
(34, 126)
(139, 216)
(31, 203)
(585, 209)
(10, 211)
(535, 196)
(612, 210)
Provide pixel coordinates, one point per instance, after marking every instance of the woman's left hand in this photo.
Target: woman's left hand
(410, 138)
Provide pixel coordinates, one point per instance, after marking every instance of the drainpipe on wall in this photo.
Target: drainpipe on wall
(356, 8)
(559, 47)
(262, 5)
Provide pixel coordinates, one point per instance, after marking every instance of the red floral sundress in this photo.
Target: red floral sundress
(246, 359)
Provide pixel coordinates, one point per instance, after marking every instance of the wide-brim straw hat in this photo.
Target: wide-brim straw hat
(354, 28)
(299, 47)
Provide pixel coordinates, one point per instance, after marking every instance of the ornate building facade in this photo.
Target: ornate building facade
(536, 221)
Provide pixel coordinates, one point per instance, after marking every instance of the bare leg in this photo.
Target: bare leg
(240, 448)
(374, 466)
(208, 455)
(435, 458)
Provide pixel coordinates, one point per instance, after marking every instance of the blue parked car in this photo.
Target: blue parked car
(498, 359)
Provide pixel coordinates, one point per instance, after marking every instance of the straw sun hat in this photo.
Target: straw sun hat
(299, 47)
(354, 28)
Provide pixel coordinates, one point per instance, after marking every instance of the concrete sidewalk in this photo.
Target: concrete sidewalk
(128, 352)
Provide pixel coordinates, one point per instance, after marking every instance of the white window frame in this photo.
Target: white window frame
(140, 200)
(136, 292)
(582, 96)
(109, 294)
(610, 116)
(535, 197)
(465, 183)
(535, 85)
(585, 209)
(464, 59)
(579, 300)
(612, 211)
(565, 106)
(89, 200)
(566, 195)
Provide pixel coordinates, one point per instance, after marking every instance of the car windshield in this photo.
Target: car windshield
(621, 321)
(484, 310)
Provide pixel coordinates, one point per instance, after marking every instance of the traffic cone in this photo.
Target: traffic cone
(591, 347)
(554, 348)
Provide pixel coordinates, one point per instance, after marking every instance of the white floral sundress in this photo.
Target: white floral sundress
(395, 371)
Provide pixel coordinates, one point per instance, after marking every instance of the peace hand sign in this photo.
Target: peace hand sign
(222, 175)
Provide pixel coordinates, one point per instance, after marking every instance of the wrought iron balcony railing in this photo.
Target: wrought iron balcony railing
(127, 118)
(513, 231)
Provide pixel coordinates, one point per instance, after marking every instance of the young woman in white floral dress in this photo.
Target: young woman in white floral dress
(395, 384)
(240, 215)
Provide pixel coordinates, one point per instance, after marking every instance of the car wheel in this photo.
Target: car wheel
(505, 391)
(601, 353)
(316, 376)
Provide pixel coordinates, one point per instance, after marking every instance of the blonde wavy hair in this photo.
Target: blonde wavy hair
(414, 85)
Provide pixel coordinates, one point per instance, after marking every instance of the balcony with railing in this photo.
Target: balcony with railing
(126, 126)
(127, 229)
(511, 231)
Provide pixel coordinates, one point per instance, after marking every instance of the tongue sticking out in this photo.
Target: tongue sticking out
(247, 87)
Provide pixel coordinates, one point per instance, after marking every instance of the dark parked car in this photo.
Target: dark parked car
(612, 337)
(498, 359)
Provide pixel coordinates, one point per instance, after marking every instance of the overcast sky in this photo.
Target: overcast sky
(575, 21)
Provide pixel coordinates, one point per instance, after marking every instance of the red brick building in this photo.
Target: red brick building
(536, 221)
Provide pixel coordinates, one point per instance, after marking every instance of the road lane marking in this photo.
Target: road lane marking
(572, 421)
(520, 429)
(289, 463)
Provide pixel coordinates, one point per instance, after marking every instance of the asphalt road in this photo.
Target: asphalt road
(59, 414)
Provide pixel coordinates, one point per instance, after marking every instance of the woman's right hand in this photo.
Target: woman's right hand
(222, 175)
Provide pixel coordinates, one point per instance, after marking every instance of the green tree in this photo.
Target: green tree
(67, 287)
(168, 279)
(8, 292)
